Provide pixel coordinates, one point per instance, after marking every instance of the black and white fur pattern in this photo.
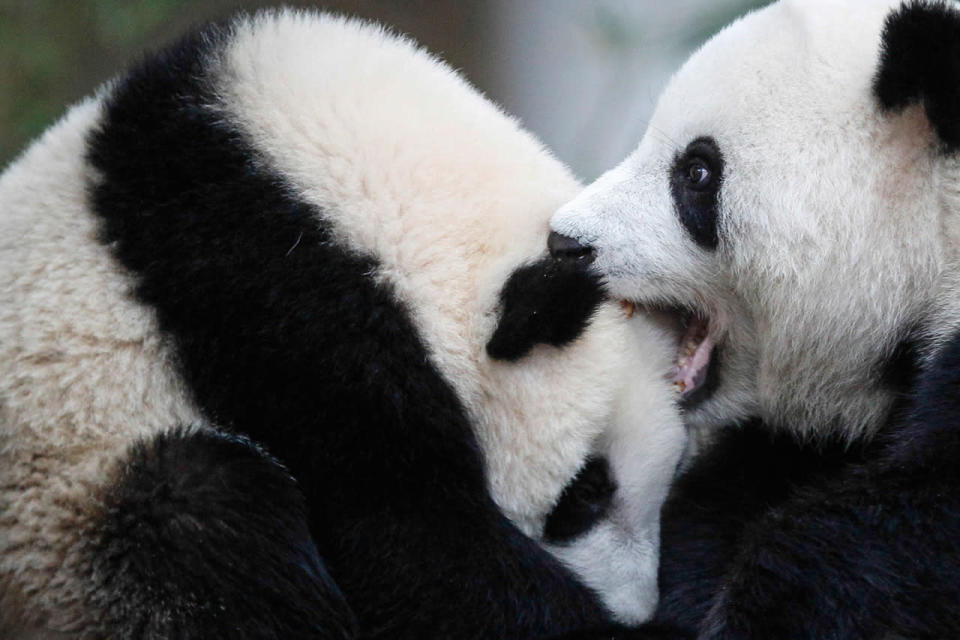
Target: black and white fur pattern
(823, 189)
(822, 247)
(246, 294)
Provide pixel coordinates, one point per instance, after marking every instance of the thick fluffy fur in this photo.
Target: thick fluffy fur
(822, 192)
(296, 229)
(209, 507)
(832, 513)
(766, 537)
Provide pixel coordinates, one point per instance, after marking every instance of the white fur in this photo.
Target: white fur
(447, 255)
(411, 165)
(832, 215)
(83, 372)
(643, 451)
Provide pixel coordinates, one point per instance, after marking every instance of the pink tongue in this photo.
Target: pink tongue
(692, 373)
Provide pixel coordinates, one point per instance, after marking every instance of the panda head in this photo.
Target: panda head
(452, 200)
(791, 208)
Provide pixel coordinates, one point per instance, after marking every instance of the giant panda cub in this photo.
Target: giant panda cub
(794, 209)
(273, 364)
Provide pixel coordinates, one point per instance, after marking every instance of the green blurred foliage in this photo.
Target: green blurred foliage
(53, 51)
(126, 23)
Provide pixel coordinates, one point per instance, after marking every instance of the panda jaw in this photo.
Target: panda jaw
(694, 349)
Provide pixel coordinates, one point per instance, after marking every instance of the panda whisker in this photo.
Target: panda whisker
(663, 135)
(295, 245)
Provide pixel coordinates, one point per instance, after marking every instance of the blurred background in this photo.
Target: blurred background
(582, 74)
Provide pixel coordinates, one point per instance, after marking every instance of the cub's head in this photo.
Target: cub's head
(451, 201)
(791, 209)
(581, 380)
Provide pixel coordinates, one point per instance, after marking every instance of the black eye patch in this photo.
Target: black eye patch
(584, 502)
(695, 180)
(546, 302)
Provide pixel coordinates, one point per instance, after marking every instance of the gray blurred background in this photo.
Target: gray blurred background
(582, 74)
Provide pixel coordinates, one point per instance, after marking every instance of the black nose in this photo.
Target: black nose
(566, 248)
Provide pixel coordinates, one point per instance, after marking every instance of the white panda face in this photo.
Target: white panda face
(618, 556)
(606, 523)
(788, 224)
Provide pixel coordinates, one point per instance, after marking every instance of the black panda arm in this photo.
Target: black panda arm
(876, 555)
(748, 470)
(453, 574)
(205, 536)
(872, 552)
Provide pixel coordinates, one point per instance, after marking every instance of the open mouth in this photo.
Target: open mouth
(692, 370)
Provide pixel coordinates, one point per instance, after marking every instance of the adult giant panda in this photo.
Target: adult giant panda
(795, 205)
(298, 234)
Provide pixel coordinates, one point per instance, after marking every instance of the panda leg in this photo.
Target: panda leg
(205, 536)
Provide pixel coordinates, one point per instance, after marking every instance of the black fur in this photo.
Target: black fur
(205, 536)
(765, 537)
(283, 335)
(583, 502)
(650, 631)
(696, 202)
(900, 370)
(931, 437)
(547, 302)
(920, 63)
(566, 248)
(745, 474)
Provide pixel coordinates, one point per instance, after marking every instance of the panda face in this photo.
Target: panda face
(786, 224)
(605, 524)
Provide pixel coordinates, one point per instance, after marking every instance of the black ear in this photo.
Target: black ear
(920, 63)
(547, 302)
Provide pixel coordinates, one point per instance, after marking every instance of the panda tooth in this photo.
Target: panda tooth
(628, 307)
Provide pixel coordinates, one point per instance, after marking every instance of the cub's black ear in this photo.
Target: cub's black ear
(920, 63)
(547, 302)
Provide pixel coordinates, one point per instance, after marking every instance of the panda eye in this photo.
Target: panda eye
(698, 174)
(695, 182)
